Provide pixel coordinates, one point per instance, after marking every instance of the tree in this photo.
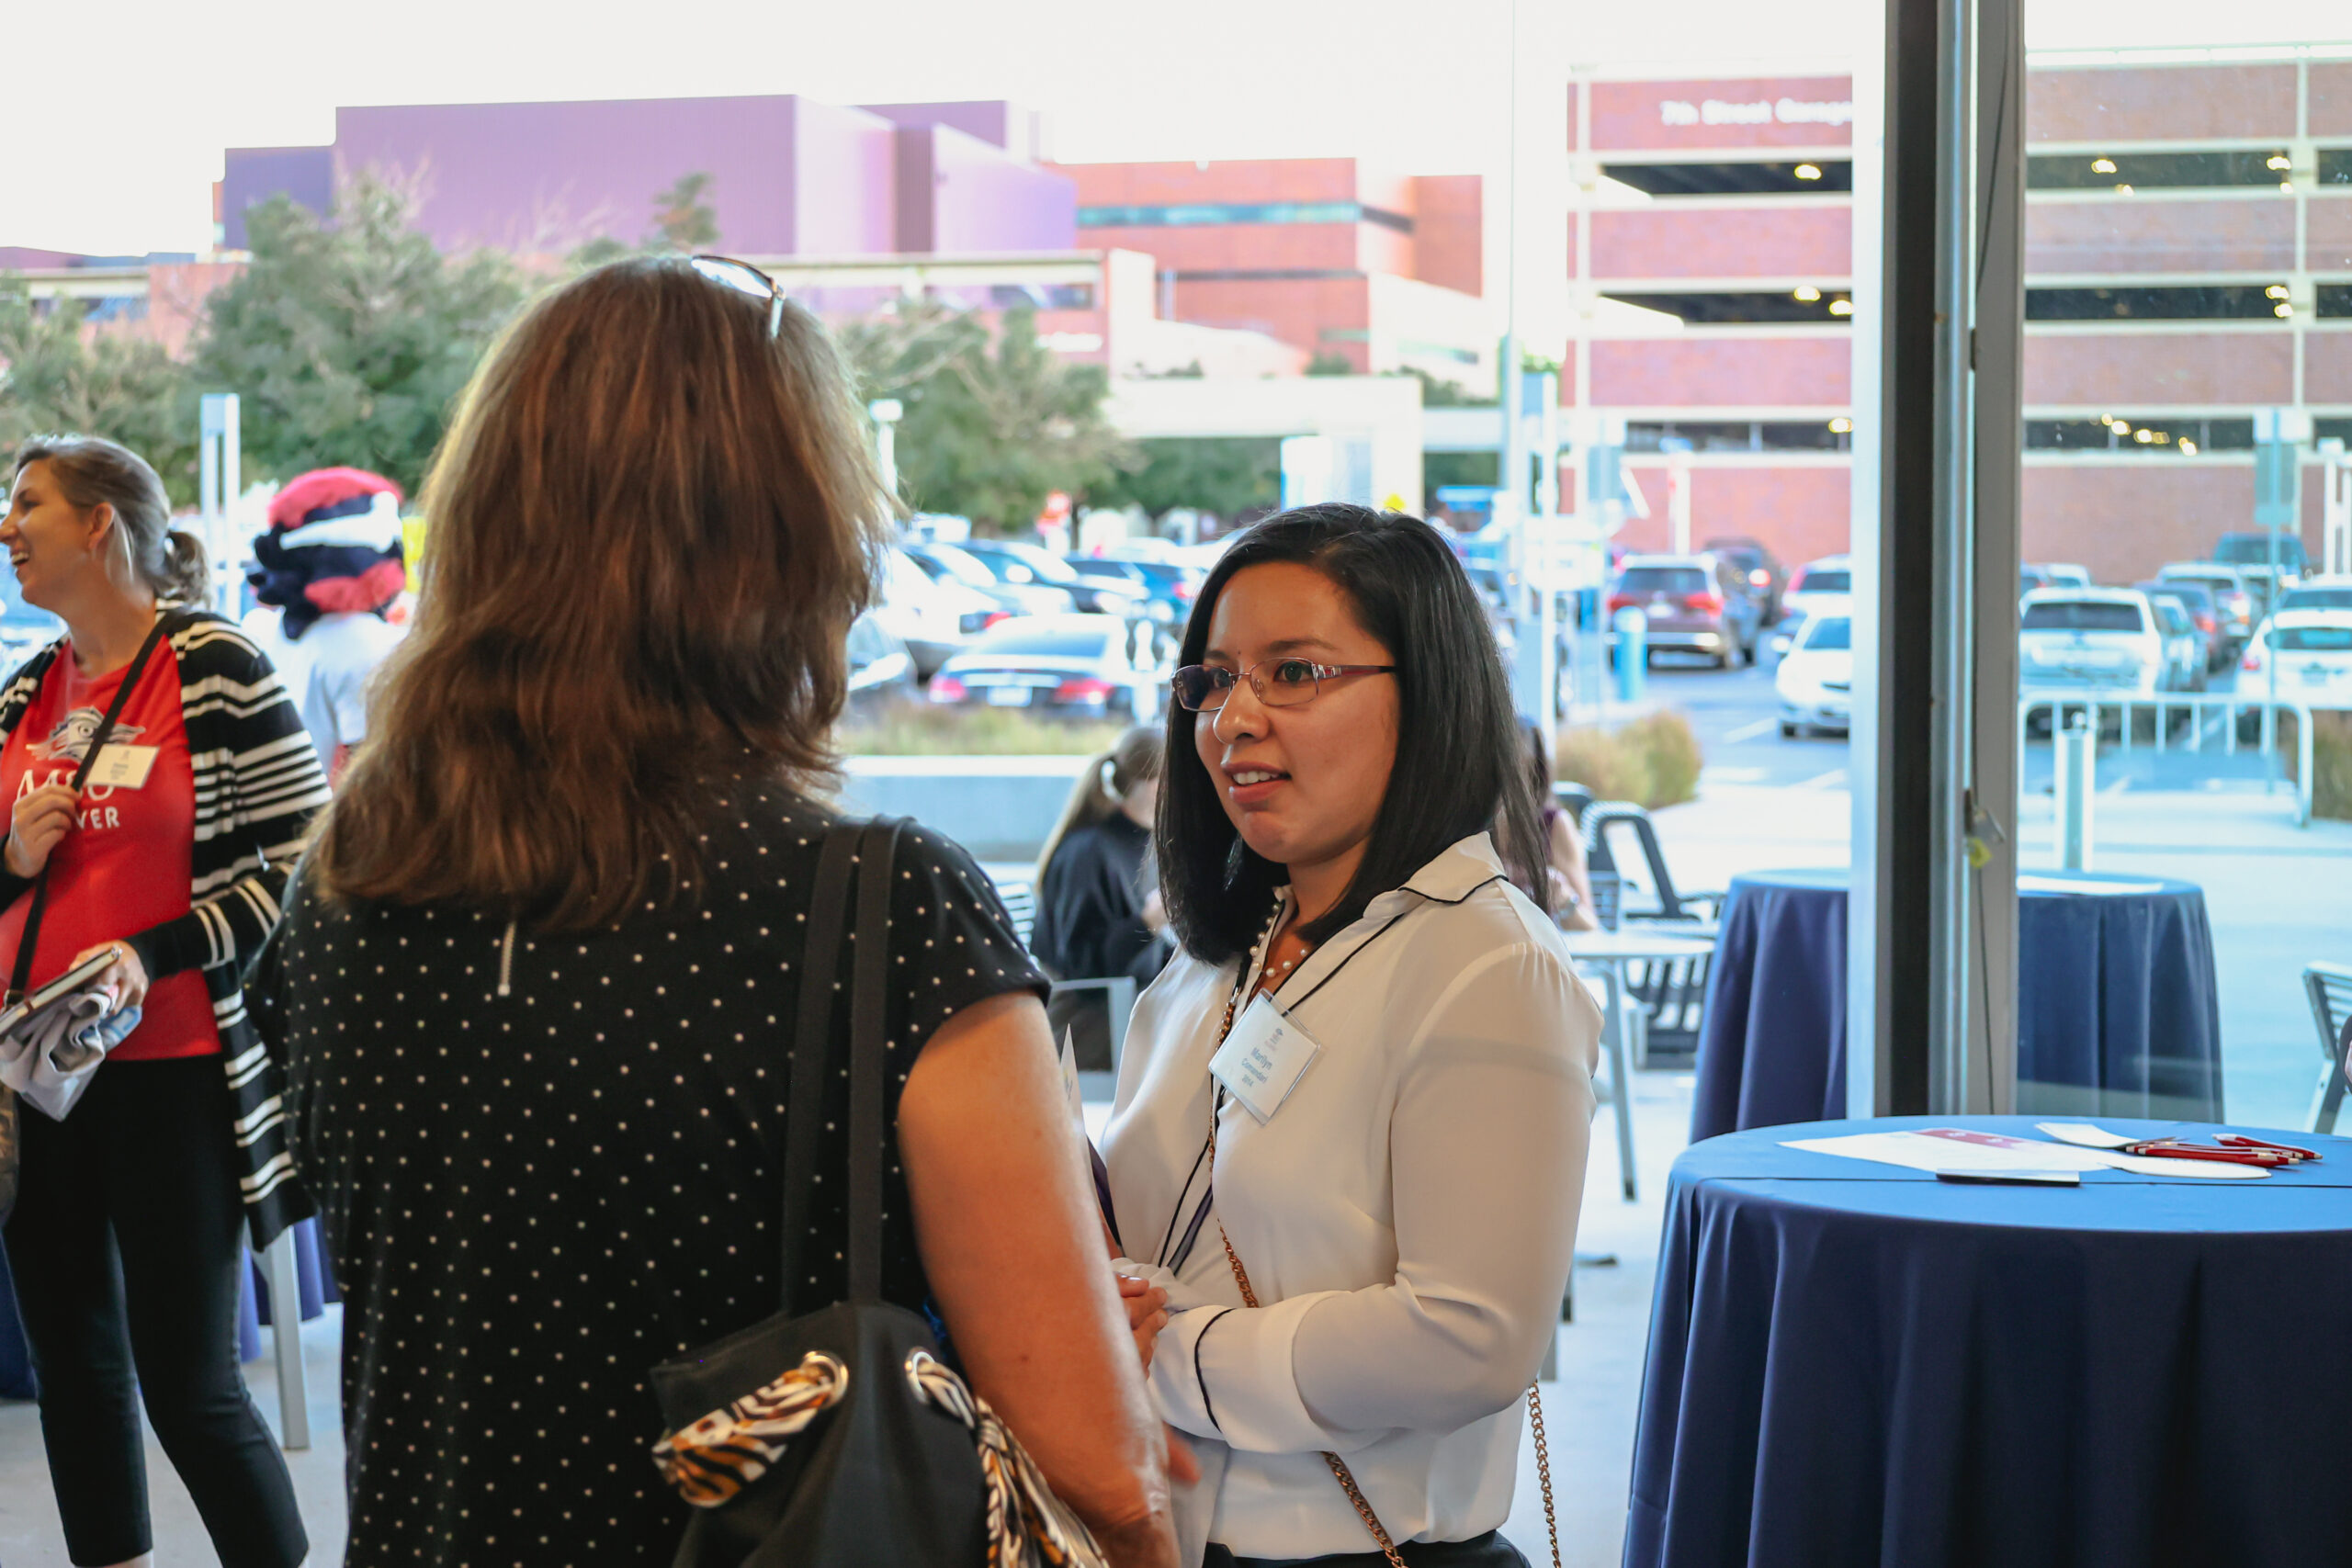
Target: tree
(1227, 474)
(350, 337)
(991, 428)
(682, 221)
(56, 376)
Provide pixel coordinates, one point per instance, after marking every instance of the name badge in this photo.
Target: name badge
(123, 767)
(1264, 1058)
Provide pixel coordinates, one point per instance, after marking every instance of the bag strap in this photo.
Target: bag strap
(1346, 1477)
(30, 939)
(811, 1042)
(878, 857)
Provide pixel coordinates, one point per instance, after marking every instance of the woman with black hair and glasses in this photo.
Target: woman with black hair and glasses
(1352, 1112)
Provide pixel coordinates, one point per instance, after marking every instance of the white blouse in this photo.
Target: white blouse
(1408, 1216)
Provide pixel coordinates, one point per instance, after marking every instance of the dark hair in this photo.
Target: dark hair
(91, 471)
(1102, 786)
(653, 526)
(1460, 757)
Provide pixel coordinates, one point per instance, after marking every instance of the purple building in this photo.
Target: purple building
(788, 175)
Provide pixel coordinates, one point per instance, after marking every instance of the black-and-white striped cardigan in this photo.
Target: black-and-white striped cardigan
(258, 784)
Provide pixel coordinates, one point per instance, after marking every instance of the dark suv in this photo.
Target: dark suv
(1765, 578)
(1696, 604)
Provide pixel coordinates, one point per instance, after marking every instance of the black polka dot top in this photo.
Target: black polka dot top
(533, 1194)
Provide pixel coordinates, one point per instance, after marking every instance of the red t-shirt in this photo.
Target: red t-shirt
(123, 866)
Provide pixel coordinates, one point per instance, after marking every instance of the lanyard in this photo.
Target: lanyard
(1208, 1157)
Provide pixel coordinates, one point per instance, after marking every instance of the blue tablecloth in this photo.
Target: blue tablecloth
(1772, 1034)
(2116, 1009)
(1858, 1364)
(315, 1282)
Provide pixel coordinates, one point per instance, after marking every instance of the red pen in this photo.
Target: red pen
(2239, 1140)
(2163, 1149)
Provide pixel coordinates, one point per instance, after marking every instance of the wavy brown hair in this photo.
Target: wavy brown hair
(651, 525)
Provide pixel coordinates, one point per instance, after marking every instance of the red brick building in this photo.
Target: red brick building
(2189, 256)
(1382, 272)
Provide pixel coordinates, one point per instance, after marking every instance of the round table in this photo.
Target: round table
(2117, 1013)
(1858, 1363)
(1659, 941)
(1772, 1034)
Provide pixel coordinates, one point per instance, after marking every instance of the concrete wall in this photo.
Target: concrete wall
(251, 176)
(999, 808)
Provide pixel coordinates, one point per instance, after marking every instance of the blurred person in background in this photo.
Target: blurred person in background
(127, 1240)
(542, 969)
(1349, 1136)
(1099, 911)
(1566, 874)
(329, 571)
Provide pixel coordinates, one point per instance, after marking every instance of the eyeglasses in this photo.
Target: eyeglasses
(1278, 682)
(744, 278)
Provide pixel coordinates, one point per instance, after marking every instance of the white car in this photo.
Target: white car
(2090, 641)
(2313, 649)
(935, 619)
(1815, 679)
(2063, 574)
(1830, 578)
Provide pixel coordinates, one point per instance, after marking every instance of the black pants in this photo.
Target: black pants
(1487, 1551)
(126, 1244)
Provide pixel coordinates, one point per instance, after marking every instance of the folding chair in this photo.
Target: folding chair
(1671, 995)
(2330, 988)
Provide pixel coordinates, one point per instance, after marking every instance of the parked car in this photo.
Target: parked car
(2250, 553)
(1784, 636)
(1831, 576)
(881, 670)
(1160, 607)
(2063, 574)
(932, 619)
(2318, 593)
(2091, 640)
(1815, 681)
(1065, 666)
(1696, 604)
(2195, 602)
(2184, 647)
(1013, 561)
(2233, 600)
(953, 562)
(2030, 578)
(1766, 576)
(2313, 649)
(1174, 583)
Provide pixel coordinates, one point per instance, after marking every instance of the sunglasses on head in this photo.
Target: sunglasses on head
(744, 278)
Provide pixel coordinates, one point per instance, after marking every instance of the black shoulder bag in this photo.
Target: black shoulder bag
(838, 1438)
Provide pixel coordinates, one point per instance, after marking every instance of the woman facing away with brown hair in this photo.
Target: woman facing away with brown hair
(542, 969)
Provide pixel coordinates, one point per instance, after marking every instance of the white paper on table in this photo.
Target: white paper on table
(1961, 1148)
(2029, 884)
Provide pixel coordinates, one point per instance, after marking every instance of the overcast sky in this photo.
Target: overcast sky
(110, 137)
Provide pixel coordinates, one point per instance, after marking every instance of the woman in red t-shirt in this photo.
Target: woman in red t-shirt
(126, 1238)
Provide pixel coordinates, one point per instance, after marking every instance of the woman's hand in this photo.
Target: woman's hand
(1147, 1307)
(40, 820)
(125, 974)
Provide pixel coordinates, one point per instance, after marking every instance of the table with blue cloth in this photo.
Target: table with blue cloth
(2118, 1012)
(314, 1281)
(1855, 1363)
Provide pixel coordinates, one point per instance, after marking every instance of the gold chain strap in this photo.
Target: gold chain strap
(1339, 1471)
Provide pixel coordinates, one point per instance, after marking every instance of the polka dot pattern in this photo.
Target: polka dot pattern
(534, 1197)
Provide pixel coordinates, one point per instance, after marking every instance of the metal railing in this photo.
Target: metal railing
(2197, 706)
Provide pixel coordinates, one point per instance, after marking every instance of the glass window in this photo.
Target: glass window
(1014, 638)
(1824, 580)
(2315, 640)
(2083, 616)
(1662, 580)
(2317, 599)
(1746, 308)
(1830, 634)
(2128, 172)
(2119, 302)
(1735, 178)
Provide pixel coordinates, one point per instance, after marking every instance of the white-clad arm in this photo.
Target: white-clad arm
(1487, 1144)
